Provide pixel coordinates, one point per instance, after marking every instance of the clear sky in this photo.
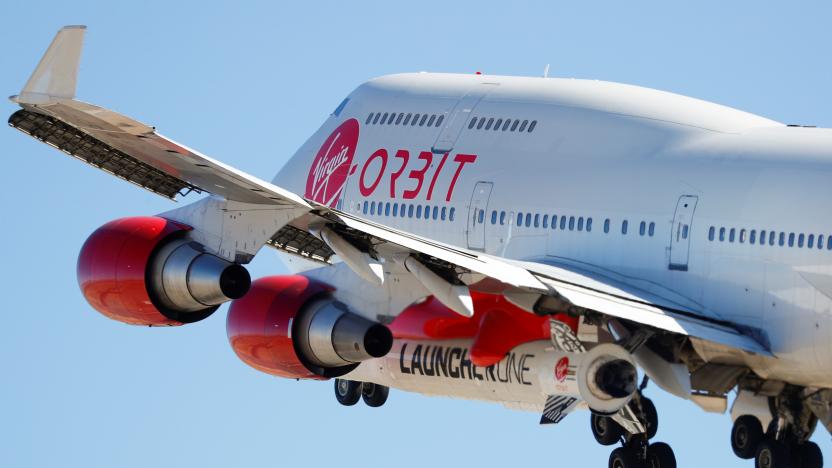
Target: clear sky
(247, 84)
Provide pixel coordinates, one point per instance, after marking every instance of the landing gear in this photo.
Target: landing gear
(785, 443)
(636, 451)
(374, 395)
(348, 392)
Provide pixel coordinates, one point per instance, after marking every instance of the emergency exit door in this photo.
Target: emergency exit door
(681, 232)
(476, 215)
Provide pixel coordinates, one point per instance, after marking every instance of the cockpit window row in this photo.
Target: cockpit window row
(408, 210)
(769, 237)
(499, 124)
(400, 118)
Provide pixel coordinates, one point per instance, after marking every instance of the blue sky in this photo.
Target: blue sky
(247, 84)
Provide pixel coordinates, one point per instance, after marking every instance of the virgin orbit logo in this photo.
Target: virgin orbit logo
(331, 166)
(562, 369)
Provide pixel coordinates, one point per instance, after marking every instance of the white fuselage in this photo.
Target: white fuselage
(695, 184)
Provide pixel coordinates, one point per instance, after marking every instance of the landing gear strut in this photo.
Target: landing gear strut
(636, 451)
(348, 392)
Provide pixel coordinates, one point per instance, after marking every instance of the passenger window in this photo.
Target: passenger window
(392, 117)
(399, 119)
(820, 241)
(588, 224)
(528, 219)
(545, 221)
(782, 241)
(519, 219)
(532, 125)
(506, 124)
(418, 211)
(482, 122)
(581, 223)
(722, 234)
(435, 212)
(711, 233)
(481, 216)
(422, 122)
(444, 212)
(606, 226)
(810, 242)
(642, 228)
(387, 209)
(762, 237)
(554, 221)
(571, 223)
(430, 122)
(395, 209)
(732, 234)
(494, 217)
(563, 223)
(452, 213)
(410, 211)
(427, 211)
(502, 218)
(800, 240)
(514, 125)
(523, 125)
(497, 124)
(378, 116)
(771, 238)
(407, 119)
(488, 125)
(651, 229)
(439, 120)
(366, 206)
(685, 230)
(624, 227)
(415, 120)
(742, 236)
(537, 220)
(384, 118)
(472, 123)
(791, 239)
(369, 118)
(752, 237)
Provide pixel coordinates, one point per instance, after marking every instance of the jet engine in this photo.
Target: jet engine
(606, 378)
(145, 271)
(290, 326)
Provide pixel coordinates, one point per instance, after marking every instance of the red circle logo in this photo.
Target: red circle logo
(331, 166)
(561, 369)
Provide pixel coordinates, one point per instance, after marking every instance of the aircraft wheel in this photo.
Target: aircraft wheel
(374, 395)
(771, 454)
(807, 455)
(624, 457)
(605, 430)
(746, 435)
(347, 392)
(660, 455)
(651, 417)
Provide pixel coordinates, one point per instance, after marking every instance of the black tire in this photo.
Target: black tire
(605, 430)
(746, 435)
(374, 395)
(807, 455)
(347, 392)
(624, 457)
(771, 454)
(660, 455)
(651, 417)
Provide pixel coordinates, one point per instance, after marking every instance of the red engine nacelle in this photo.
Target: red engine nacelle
(291, 327)
(144, 271)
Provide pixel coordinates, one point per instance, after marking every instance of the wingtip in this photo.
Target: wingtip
(75, 26)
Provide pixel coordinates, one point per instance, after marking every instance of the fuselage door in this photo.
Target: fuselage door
(681, 232)
(456, 120)
(477, 214)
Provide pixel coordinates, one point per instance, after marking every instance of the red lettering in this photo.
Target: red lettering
(405, 155)
(462, 159)
(365, 190)
(436, 174)
(418, 175)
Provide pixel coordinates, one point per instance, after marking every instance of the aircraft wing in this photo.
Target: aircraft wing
(137, 153)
